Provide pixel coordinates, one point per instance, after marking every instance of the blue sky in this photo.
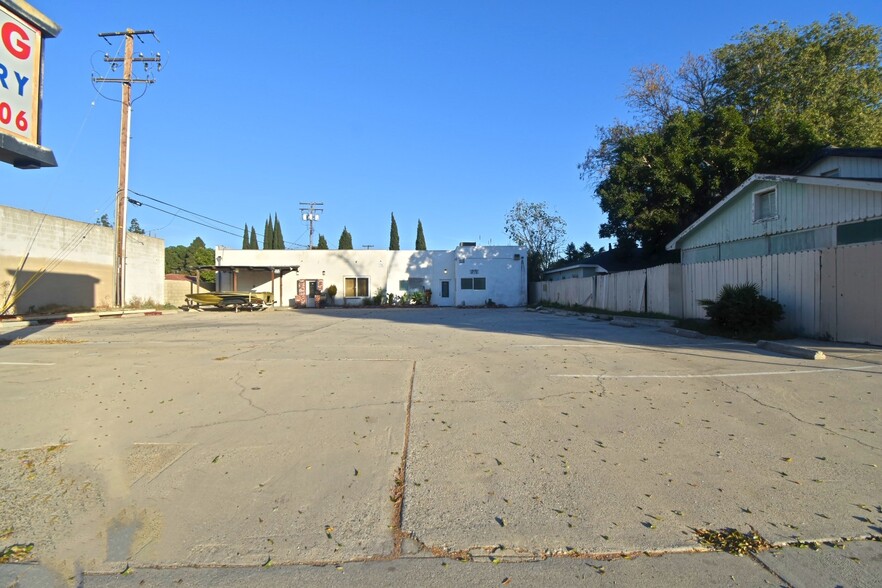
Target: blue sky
(446, 111)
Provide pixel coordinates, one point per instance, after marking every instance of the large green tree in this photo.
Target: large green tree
(252, 242)
(245, 241)
(322, 242)
(180, 259)
(805, 87)
(660, 182)
(394, 244)
(345, 240)
(174, 259)
(759, 104)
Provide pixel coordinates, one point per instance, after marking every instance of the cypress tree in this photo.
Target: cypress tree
(278, 240)
(394, 245)
(245, 237)
(252, 244)
(322, 242)
(267, 235)
(421, 239)
(345, 240)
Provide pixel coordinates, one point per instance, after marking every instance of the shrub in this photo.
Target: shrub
(742, 310)
(332, 291)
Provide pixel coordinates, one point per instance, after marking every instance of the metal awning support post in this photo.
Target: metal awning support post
(273, 284)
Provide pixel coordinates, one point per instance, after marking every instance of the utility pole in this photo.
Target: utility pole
(122, 190)
(309, 213)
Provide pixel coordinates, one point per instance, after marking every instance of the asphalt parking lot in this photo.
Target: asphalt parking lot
(374, 446)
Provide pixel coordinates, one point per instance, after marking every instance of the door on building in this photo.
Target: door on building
(445, 288)
(311, 293)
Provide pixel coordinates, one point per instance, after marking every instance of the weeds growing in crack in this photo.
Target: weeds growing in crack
(733, 541)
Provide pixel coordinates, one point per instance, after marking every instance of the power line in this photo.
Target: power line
(176, 207)
(208, 218)
(137, 203)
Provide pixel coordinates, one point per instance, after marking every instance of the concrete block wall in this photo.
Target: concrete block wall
(78, 259)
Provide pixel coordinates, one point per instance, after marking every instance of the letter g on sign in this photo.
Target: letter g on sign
(14, 39)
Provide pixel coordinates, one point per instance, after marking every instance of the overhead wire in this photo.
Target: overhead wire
(208, 218)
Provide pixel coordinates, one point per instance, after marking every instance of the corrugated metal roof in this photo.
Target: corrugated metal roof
(874, 185)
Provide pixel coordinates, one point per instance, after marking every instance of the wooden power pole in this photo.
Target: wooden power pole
(122, 190)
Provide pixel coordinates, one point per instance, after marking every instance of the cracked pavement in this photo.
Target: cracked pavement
(369, 437)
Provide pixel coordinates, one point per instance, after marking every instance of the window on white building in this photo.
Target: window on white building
(473, 284)
(765, 205)
(356, 287)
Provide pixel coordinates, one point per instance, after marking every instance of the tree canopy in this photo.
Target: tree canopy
(762, 103)
(531, 225)
(135, 227)
(322, 242)
(180, 259)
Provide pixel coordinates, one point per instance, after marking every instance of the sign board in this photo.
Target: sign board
(20, 83)
(22, 31)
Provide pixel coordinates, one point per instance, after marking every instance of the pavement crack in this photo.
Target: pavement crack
(796, 418)
(241, 395)
(400, 482)
(279, 413)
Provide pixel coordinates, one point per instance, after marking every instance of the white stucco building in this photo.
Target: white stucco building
(469, 275)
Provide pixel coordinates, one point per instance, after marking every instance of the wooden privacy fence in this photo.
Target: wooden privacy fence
(656, 289)
(831, 293)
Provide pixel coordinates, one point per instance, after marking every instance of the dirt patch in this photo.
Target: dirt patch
(40, 500)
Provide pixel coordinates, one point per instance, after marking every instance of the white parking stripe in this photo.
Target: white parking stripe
(735, 375)
(22, 363)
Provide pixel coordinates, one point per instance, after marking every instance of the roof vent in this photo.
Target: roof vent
(468, 244)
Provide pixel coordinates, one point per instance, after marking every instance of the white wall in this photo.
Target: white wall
(505, 276)
(78, 258)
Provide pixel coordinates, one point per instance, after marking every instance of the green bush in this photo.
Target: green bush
(332, 291)
(743, 310)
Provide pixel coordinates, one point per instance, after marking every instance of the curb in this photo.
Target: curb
(77, 317)
(682, 332)
(793, 350)
(621, 323)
